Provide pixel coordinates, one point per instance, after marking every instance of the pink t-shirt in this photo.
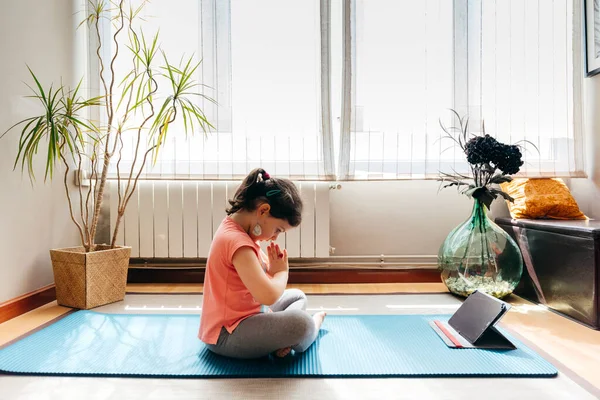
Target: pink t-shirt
(226, 300)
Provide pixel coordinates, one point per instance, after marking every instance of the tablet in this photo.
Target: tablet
(477, 313)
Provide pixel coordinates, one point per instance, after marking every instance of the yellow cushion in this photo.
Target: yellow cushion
(541, 198)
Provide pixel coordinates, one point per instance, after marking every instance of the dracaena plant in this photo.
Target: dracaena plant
(63, 134)
(491, 162)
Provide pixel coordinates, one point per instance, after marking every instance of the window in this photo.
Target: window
(392, 69)
(262, 63)
(511, 64)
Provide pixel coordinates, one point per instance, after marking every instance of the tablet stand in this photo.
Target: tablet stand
(473, 324)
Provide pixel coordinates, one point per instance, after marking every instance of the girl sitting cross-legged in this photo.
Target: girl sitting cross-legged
(241, 280)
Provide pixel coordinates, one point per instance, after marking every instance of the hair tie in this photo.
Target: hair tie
(266, 175)
(273, 192)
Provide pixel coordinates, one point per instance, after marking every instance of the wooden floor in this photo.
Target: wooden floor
(573, 345)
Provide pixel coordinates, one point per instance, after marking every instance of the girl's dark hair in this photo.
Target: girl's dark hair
(281, 194)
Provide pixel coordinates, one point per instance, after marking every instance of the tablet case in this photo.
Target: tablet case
(473, 324)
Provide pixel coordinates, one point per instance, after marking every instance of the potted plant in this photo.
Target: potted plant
(93, 274)
(478, 254)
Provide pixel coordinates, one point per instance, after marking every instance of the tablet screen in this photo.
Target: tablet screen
(476, 314)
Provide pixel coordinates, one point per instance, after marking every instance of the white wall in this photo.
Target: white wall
(405, 218)
(33, 219)
(587, 191)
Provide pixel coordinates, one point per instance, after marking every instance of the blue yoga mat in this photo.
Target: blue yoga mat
(91, 343)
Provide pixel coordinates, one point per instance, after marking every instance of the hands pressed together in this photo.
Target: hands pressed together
(278, 259)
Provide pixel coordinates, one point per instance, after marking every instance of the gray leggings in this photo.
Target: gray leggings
(289, 325)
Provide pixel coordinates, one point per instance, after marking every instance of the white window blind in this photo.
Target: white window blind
(266, 64)
(514, 64)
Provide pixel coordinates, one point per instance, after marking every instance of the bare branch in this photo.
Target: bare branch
(85, 243)
(139, 132)
(84, 220)
(128, 197)
(107, 156)
(97, 25)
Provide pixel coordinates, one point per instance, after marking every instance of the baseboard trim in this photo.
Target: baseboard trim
(27, 302)
(393, 262)
(305, 275)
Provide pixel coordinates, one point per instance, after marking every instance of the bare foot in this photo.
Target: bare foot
(283, 352)
(318, 318)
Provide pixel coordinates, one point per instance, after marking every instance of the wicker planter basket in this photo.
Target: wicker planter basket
(88, 280)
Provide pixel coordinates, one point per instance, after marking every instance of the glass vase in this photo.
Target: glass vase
(479, 255)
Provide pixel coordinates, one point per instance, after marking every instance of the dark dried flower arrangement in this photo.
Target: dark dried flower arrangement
(491, 162)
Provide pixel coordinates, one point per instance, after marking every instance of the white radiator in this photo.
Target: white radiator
(177, 219)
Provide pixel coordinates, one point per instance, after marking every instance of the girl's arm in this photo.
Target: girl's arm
(264, 262)
(264, 289)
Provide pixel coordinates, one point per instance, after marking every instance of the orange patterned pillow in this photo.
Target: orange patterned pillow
(541, 198)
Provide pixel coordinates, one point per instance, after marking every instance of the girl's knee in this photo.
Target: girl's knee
(301, 323)
(297, 294)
